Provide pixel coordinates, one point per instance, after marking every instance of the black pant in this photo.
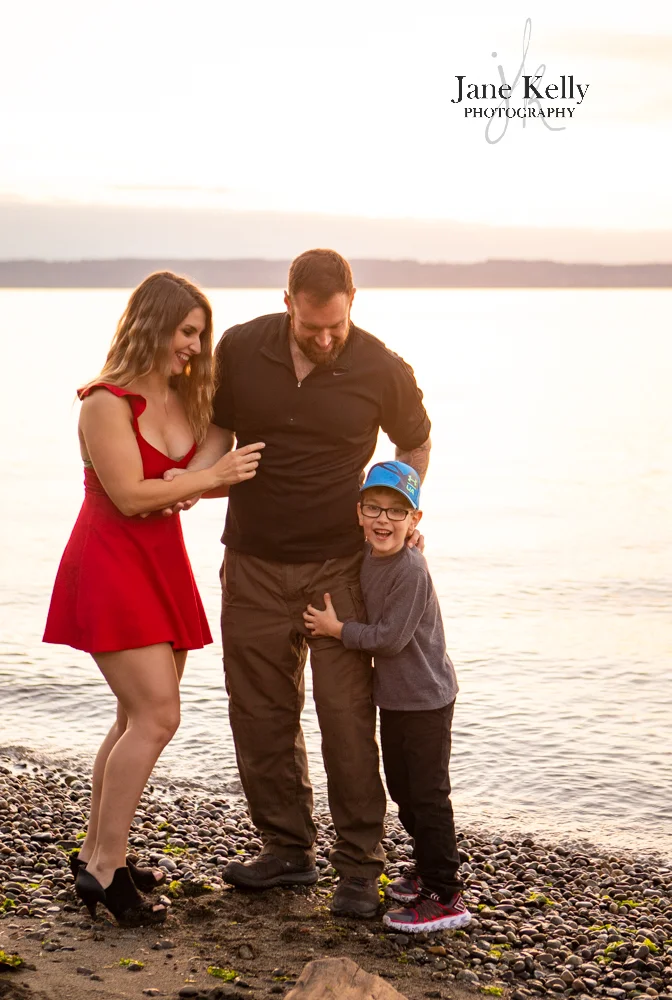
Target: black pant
(416, 755)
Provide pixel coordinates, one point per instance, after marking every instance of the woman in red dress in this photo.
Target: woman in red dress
(124, 591)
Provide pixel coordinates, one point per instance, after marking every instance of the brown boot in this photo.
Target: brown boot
(265, 871)
(356, 897)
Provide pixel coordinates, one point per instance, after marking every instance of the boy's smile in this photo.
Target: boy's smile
(386, 535)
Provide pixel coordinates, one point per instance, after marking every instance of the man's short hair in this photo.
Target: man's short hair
(320, 274)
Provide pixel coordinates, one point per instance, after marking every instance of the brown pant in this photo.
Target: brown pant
(265, 646)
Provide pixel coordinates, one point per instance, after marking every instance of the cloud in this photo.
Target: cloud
(649, 49)
(652, 111)
(179, 188)
(629, 74)
(74, 232)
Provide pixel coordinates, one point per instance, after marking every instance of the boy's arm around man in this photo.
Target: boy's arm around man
(395, 611)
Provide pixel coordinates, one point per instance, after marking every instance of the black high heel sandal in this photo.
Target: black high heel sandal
(142, 877)
(121, 898)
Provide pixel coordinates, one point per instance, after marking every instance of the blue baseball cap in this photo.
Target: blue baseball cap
(395, 476)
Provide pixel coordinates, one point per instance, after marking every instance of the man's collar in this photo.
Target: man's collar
(277, 344)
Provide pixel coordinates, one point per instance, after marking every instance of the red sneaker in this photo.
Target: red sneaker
(405, 889)
(429, 914)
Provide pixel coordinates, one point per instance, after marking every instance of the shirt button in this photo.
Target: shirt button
(291, 420)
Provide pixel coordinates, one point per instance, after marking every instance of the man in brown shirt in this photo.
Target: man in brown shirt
(316, 389)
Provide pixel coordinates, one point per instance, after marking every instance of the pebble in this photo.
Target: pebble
(466, 976)
(547, 920)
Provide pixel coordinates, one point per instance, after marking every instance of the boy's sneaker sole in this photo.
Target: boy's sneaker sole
(400, 897)
(404, 890)
(426, 927)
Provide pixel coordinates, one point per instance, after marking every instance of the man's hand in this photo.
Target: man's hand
(416, 541)
(321, 623)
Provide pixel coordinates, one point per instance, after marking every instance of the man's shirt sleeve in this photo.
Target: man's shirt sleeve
(404, 418)
(223, 410)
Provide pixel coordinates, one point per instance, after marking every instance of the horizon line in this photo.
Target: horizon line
(525, 261)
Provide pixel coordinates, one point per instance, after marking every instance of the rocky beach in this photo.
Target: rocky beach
(547, 919)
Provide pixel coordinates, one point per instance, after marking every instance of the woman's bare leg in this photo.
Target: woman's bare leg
(146, 684)
(117, 730)
(180, 657)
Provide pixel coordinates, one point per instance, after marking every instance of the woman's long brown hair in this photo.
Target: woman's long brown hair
(142, 341)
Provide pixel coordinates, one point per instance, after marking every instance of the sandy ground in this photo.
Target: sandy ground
(266, 938)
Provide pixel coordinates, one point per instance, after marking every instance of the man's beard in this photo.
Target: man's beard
(314, 353)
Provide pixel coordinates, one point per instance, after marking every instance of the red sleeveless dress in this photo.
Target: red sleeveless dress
(125, 582)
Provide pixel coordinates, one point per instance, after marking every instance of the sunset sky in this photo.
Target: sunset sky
(341, 110)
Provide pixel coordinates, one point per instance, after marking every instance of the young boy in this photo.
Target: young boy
(415, 688)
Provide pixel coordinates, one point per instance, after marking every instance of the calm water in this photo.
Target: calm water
(547, 516)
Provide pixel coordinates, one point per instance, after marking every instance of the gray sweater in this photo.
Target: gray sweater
(412, 668)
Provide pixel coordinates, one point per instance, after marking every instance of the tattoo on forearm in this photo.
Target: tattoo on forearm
(418, 458)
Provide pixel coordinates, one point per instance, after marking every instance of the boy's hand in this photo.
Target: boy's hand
(325, 622)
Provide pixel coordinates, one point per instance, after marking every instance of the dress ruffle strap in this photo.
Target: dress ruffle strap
(137, 402)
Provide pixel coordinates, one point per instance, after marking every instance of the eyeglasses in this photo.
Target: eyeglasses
(394, 513)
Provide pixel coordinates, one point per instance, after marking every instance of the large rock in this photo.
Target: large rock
(341, 978)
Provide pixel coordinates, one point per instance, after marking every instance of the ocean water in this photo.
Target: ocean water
(549, 537)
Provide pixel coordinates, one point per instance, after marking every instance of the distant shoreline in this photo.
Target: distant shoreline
(257, 273)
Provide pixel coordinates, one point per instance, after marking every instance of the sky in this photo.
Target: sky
(121, 122)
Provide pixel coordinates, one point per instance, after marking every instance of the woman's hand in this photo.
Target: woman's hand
(321, 623)
(239, 465)
(184, 504)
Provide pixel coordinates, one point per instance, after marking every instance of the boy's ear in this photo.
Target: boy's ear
(360, 516)
(414, 520)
